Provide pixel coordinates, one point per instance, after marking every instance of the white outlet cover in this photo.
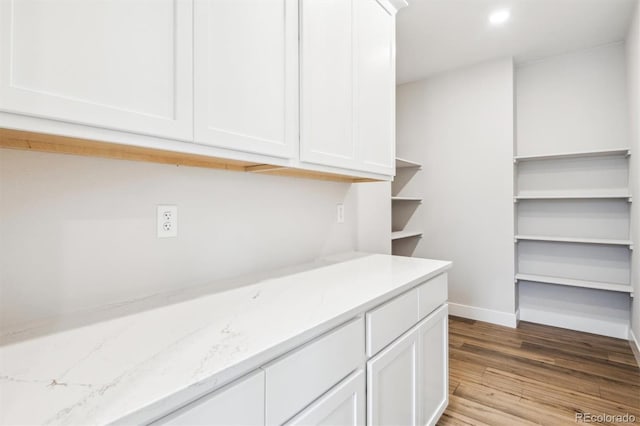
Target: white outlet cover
(167, 221)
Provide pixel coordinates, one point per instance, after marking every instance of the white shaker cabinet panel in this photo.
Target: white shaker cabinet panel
(326, 46)
(433, 368)
(375, 87)
(246, 75)
(300, 377)
(118, 64)
(407, 383)
(390, 320)
(392, 392)
(343, 405)
(240, 403)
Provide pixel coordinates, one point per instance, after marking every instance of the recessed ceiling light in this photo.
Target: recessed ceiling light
(499, 17)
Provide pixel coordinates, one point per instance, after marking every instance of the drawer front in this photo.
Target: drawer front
(387, 322)
(240, 403)
(344, 405)
(432, 294)
(296, 380)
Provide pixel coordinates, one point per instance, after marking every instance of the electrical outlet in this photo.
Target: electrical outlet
(167, 219)
(340, 213)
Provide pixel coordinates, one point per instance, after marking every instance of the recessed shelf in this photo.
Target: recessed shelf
(575, 196)
(404, 164)
(415, 199)
(398, 235)
(624, 288)
(603, 241)
(402, 209)
(580, 154)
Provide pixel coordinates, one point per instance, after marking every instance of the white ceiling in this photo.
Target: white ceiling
(438, 35)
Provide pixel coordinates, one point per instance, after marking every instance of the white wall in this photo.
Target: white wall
(572, 102)
(459, 125)
(633, 82)
(374, 216)
(565, 103)
(79, 232)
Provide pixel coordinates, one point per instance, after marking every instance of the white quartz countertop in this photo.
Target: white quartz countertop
(132, 367)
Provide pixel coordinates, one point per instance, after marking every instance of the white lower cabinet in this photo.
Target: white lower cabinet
(392, 383)
(407, 381)
(433, 367)
(303, 375)
(343, 405)
(323, 381)
(240, 403)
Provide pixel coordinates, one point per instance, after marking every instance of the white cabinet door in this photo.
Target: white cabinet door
(343, 405)
(433, 371)
(326, 134)
(375, 87)
(392, 393)
(407, 383)
(246, 75)
(118, 64)
(348, 84)
(240, 403)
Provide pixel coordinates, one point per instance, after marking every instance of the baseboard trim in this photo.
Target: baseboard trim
(635, 346)
(481, 314)
(579, 323)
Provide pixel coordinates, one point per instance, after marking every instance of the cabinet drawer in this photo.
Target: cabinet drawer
(432, 294)
(296, 380)
(240, 403)
(387, 322)
(343, 405)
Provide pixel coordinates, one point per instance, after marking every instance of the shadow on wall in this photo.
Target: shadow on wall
(405, 246)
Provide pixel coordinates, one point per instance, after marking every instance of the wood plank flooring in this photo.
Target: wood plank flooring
(537, 374)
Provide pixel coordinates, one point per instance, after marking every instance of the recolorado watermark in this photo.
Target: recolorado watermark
(605, 418)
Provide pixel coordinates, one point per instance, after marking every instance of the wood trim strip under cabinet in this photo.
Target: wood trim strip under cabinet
(31, 141)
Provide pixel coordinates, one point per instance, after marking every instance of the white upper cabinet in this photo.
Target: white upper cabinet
(326, 134)
(246, 75)
(299, 84)
(348, 84)
(375, 87)
(117, 64)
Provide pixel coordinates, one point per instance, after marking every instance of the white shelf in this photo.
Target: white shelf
(397, 235)
(581, 154)
(603, 241)
(404, 164)
(624, 288)
(576, 196)
(416, 199)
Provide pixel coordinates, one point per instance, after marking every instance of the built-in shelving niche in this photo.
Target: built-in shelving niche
(403, 205)
(572, 214)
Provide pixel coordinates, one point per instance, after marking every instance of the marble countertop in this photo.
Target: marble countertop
(129, 367)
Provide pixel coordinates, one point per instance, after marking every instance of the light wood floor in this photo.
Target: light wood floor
(536, 374)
